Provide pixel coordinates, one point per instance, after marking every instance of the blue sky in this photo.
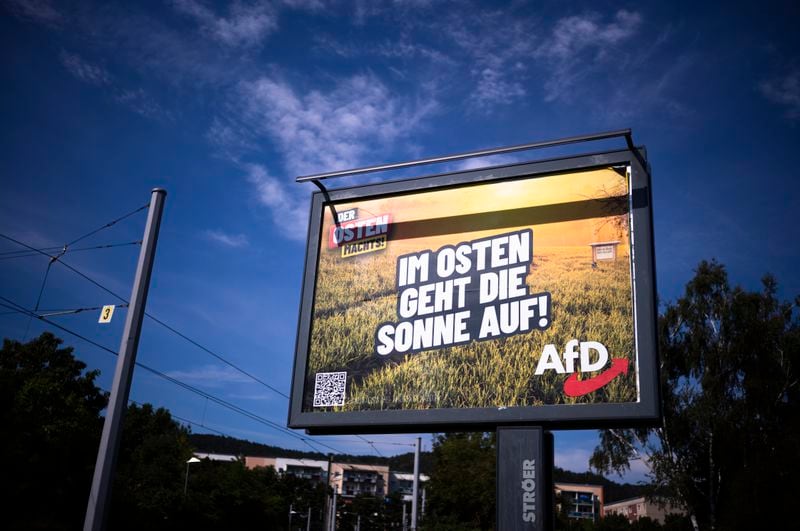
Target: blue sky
(224, 104)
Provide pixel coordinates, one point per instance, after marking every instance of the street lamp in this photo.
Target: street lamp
(186, 481)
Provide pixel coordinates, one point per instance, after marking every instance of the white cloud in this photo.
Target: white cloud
(498, 47)
(784, 91)
(260, 397)
(311, 5)
(572, 35)
(232, 139)
(141, 103)
(136, 100)
(228, 240)
(494, 88)
(345, 127)
(84, 70)
(41, 11)
(286, 207)
(247, 24)
(320, 131)
(650, 93)
(575, 459)
(484, 162)
(577, 44)
(210, 375)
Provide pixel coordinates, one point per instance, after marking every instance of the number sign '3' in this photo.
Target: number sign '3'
(106, 314)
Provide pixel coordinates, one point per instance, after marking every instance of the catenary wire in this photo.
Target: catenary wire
(154, 318)
(173, 415)
(26, 253)
(203, 426)
(107, 225)
(179, 383)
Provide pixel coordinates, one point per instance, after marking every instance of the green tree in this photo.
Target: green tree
(461, 491)
(50, 413)
(148, 489)
(730, 365)
(369, 508)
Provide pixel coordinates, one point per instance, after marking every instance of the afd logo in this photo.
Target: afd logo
(591, 356)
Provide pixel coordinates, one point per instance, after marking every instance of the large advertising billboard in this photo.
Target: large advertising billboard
(498, 296)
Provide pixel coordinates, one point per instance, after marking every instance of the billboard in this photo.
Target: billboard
(513, 295)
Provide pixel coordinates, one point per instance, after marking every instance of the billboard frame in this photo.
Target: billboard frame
(645, 412)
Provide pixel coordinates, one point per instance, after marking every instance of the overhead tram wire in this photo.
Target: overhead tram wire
(63, 251)
(179, 383)
(212, 353)
(154, 318)
(173, 415)
(203, 426)
(63, 311)
(107, 225)
(26, 251)
(9, 255)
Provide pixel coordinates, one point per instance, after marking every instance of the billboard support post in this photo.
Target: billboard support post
(524, 479)
(415, 491)
(328, 494)
(100, 494)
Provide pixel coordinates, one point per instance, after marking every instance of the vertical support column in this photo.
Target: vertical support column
(100, 495)
(333, 509)
(415, 490)
(327, 509)
(524, 479)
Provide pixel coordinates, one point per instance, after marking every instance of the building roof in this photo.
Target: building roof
(408, 476)
(282, 462)
(626, 501)
(216, 457)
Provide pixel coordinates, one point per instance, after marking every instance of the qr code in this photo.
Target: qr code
(329, 389)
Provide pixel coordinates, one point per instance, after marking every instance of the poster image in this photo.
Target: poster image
(504, 294)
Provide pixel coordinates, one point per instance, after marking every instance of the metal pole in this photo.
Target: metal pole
(327, 509)
(308, 520)
(100, 495)
(333, 510)
(405, 527)
(415, 491)
(186, 481)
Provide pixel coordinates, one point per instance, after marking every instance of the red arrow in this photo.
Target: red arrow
(575, 387)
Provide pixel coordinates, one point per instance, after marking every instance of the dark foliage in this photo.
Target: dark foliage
(462, 484)
(50, 412)
(730, 369)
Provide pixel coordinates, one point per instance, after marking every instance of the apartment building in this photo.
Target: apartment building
(302, 468)
(582, 501)
(635, 508)
(403, 483)
(350, 480)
